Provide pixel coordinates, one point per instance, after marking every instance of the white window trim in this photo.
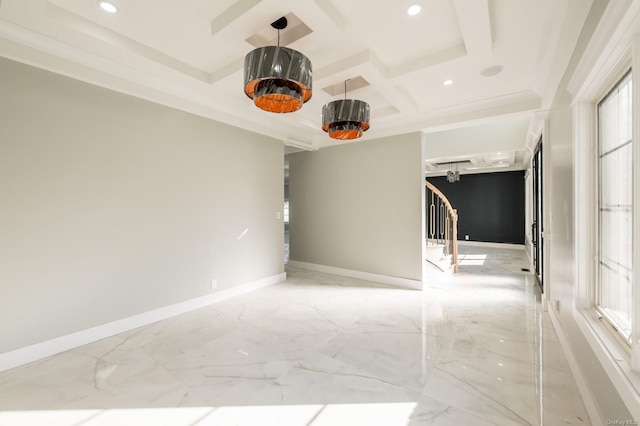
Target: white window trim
(614, 358)
(610, 322)
(614, 48)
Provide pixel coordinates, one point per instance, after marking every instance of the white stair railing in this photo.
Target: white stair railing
(443, 223)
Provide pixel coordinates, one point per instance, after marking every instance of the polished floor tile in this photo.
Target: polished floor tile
(318, 349)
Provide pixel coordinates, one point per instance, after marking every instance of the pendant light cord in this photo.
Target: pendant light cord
(345, 88)
(279, 24)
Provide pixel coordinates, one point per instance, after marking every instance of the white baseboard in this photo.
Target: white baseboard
(384, 279)
(57, 345)
(491, 245)
(581, 382)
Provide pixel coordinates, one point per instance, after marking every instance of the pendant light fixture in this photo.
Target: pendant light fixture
(278, 79)
(346, 118)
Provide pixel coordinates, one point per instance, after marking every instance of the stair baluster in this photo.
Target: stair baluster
(443, 224)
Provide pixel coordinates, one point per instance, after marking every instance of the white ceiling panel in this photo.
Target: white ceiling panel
(189, 55)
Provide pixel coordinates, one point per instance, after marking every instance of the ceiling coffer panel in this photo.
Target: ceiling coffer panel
(354, 83)
(296, 29)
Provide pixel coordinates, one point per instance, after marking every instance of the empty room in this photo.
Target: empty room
(258, 212)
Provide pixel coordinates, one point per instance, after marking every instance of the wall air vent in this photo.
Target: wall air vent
(459, 164)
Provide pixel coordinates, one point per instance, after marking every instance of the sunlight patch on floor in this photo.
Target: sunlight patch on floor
(472, 259)
(281, 415)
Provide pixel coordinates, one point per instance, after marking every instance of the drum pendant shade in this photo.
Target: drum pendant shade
(278, 79)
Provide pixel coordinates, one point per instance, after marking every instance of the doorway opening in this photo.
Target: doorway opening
(537, 227)
(286, 211)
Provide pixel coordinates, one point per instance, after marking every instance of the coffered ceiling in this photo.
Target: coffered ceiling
(189, 54)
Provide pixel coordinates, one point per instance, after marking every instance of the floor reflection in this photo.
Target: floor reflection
(318, 349)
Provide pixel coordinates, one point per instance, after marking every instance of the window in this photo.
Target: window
(615, 207)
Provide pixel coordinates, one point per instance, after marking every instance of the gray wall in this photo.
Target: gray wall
(111, 206)
(559, 255)
(559, 244)
(559, 237)
(358, 206)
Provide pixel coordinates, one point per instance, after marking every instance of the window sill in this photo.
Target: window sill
(614, 359)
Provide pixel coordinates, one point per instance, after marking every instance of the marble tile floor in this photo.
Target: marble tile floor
(318, 349)
(480, 260)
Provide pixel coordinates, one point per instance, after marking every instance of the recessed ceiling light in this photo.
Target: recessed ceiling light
(414, 9)
(491, 71)
(107, 6)
(447, 82)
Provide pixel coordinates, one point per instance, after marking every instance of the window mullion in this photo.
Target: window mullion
(615, 200)
(635, 291)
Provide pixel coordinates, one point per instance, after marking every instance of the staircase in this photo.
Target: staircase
(442, 231)
(435, 255)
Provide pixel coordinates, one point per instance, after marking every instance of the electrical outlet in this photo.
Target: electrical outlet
(214, 284)
(466, 237)
(277, 215)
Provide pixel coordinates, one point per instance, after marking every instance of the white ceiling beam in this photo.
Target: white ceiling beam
(475, 24)
(353, 61)
(234, 12)
(559, 50)
(295, 143)
(227, 70)
(366, 64)
(464, 119)
(332, 13)
(82, 25)
(419, 64)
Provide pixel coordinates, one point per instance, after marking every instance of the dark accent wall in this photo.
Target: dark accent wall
(490, 205)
